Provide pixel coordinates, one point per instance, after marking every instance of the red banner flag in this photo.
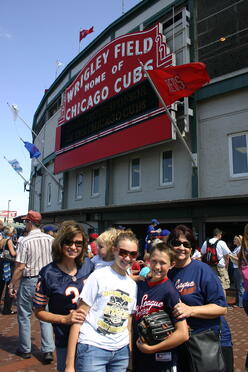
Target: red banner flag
(84, 33)
(175, 82)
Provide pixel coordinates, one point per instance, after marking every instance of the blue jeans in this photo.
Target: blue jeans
(24, 311)
(238, 283)
(61, 358)
(93, 359)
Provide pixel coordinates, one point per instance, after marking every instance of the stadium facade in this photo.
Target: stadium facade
(114, 154)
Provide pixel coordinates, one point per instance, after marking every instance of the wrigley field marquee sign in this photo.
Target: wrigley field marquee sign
(111, 92)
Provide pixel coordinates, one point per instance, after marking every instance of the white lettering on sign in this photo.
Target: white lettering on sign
(101, 60)
(116, 68)
(86, 104)
(175, 84)
(131, 48)
(131, 77)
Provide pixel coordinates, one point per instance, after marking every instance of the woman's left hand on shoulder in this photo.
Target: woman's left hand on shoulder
(76, 316)
(182, 310)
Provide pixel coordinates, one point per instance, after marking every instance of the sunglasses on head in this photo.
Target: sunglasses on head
(124, 253)
(178, 243)
(78, 243)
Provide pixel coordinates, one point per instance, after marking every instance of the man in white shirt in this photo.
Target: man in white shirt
(223, 256)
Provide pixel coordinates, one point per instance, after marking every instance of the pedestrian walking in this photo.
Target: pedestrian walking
(222, 253)
(237, 277)
(33, 253)
(8, 255)
(243, 266)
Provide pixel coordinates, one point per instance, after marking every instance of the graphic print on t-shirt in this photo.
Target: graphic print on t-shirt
(186, 287)
(115, 312)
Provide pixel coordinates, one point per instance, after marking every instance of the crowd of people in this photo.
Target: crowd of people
(90, 293)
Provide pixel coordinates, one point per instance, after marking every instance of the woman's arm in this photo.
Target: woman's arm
(75, 316)
(234, 258)
(209, 311)
(11, 248)
(73, 338)
(178, 337)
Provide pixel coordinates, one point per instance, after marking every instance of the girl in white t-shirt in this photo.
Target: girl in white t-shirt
(108, 298)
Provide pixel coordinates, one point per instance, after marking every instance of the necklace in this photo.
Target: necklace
(68, 272)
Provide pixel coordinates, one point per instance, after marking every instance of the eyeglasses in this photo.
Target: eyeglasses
(178, 243)
(78, 243)
(124, 253)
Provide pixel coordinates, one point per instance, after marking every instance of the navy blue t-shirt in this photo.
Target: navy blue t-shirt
(60, 291)
(152, 297)
(198, 285)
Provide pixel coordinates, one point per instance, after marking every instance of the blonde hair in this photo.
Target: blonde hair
(8, 230)
(126, 235)
(108, 238)
(239, 238)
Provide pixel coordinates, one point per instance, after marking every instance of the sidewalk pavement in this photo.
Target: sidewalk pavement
(9, 362)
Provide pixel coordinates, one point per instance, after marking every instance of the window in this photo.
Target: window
(134, 174)
(238, 154)
(95, 182)
(79, 185)
(49, 193)
(60, 191)
(166, 168)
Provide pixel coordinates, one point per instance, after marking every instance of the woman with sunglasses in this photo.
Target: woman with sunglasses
(203, 300)
(60, 284)
(109, 298)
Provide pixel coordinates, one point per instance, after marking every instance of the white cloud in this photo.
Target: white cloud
(5, 35)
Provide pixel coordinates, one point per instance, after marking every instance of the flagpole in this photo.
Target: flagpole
(79, 41)
(170, 116)
(16, 113)
(50, 174)
(24, 179)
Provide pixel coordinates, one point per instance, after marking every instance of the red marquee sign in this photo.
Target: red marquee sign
(111, 73)
(114, 69)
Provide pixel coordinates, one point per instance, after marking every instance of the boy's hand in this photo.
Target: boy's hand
(143, 347)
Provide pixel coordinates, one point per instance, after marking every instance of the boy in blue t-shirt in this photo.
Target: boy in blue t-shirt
(154, 294)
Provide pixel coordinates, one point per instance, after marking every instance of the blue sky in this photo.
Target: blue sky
(33, 36)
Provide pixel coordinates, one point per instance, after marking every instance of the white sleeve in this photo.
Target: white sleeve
(90, 290)
(225, 248)
(203, 248)
(133, 309)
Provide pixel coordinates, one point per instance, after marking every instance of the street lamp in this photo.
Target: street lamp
(8, 211)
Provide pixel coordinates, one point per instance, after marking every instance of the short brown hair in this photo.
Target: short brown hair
(163, 247)
(67, 231)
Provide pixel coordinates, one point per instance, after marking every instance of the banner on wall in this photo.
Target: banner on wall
(111, 94)
(114, 69)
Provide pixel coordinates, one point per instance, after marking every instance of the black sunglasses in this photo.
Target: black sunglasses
(178, 243)
(78, 243)
(124, 253)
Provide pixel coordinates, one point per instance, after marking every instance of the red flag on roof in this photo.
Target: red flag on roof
(175, 82)
(84, 33)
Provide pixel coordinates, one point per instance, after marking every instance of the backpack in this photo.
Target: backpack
(210, 257)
